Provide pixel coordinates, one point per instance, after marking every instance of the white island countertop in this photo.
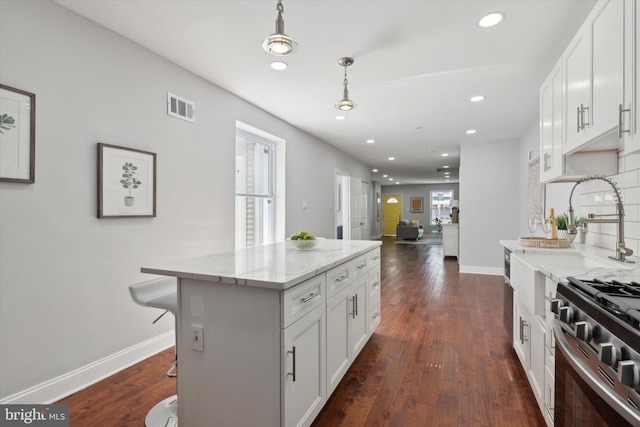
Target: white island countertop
(275, 266)
(592, 263)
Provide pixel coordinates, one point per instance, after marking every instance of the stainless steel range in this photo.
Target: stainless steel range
(597, 330)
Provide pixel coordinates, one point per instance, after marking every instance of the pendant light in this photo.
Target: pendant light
(345, 104)
(279, 43)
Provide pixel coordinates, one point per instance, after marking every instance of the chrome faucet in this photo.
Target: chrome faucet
(621, 250)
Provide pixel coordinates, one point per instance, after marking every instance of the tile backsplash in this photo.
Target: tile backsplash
(597, 197)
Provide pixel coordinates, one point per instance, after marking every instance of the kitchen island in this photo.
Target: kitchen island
(278, 328)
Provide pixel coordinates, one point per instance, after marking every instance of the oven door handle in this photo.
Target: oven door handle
(590, 378)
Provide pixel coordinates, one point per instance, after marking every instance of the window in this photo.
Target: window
(255, 190)
(441, 206)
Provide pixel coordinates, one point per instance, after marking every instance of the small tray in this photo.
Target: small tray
(541, 242)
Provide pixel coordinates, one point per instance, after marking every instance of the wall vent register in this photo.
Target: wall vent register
(181, 108)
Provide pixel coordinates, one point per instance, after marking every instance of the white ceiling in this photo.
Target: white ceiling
(417, 63)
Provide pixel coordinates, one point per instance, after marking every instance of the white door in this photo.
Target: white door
(364, 210)
(354, 208)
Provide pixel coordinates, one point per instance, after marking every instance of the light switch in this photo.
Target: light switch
(197, 337)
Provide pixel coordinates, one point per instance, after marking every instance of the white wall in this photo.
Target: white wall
(64, 303)
(489, 203)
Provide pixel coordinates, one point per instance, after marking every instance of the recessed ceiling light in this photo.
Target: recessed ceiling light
(491, 19)
(340, 117)
(446, 180)
(370, 141)
(477, 98)
(447, 173)
(385, 175)
(444, 154)
(445, 167)
(390, 179)
(397, 182)
(374, 170)
(471, 131)
(279, 65)
(392, 158)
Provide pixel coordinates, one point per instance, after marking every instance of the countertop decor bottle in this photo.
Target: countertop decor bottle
(554, 225)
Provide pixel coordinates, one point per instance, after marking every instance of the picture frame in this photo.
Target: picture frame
(17, 135)
(126, 182)
(416, 205)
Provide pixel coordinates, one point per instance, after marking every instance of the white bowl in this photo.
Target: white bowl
(304, 245)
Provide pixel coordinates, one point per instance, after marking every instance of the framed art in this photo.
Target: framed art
(17, 135)
(126, 182)
(416, 204)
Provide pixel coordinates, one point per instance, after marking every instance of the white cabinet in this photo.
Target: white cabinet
(593, 67)
(373, 300)
(629, 114)
(551, 113)
(450, 240)
(347, 331)
(578, 90)
(304, 382)
(521, 331)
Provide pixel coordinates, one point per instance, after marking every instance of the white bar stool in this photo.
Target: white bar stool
(160, 293)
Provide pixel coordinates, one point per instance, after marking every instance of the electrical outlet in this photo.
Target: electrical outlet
(197, 337)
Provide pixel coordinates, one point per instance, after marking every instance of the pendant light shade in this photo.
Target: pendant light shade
(279, 43)
(345, 104)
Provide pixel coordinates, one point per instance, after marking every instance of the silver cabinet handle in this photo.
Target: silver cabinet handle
(578, 119)
(342, 278)
(583, 123)
(309, 298)
(356, 298)
(374, 284)
(620, 111)
(376, 315)
(293, 374)
(353, 307)
(361, 266)
(546, 161)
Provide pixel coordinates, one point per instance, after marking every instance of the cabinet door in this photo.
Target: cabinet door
(338, 361)
(373, 300)
(358, 317)
(303, 368)
(577, 72)
(537, 358)
(521, 332)
(551, 125)
(631, 118)
(607, 65)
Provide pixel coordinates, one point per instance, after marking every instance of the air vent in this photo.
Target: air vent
(181, 108)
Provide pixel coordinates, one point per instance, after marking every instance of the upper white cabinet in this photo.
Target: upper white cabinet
(551, 102)
(629, 116)
(594, 76)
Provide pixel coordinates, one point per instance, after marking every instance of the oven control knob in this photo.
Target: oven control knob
(583, 331)
(555, 305)
(629, 373)
(566, 314)
(609, 354)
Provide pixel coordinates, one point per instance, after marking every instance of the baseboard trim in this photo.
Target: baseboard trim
(471, 269)
(60, 387)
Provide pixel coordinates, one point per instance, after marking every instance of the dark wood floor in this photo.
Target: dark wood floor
(440, 357)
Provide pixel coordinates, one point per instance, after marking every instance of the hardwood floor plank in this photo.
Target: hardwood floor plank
(440, 357)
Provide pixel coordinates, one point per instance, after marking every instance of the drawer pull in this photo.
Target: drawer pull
(309, 298)
(293, 374)
(342, 278)
(376, 315)
(375, 258)
(361, 266)
(374, 284)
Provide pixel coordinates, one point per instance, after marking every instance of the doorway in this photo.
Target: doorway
(391, 213)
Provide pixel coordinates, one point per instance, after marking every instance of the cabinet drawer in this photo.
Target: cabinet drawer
(302, 298)
(361, 265)
(374, 257)
(338, 278)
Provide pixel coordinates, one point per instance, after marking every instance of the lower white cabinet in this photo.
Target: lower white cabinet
(304, 382)
(450, 240)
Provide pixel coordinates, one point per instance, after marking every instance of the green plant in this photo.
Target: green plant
(437, 221)
(563, 221)
(129, 180)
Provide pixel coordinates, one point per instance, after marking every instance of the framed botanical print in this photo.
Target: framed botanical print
(17, 135)
(126, 182)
